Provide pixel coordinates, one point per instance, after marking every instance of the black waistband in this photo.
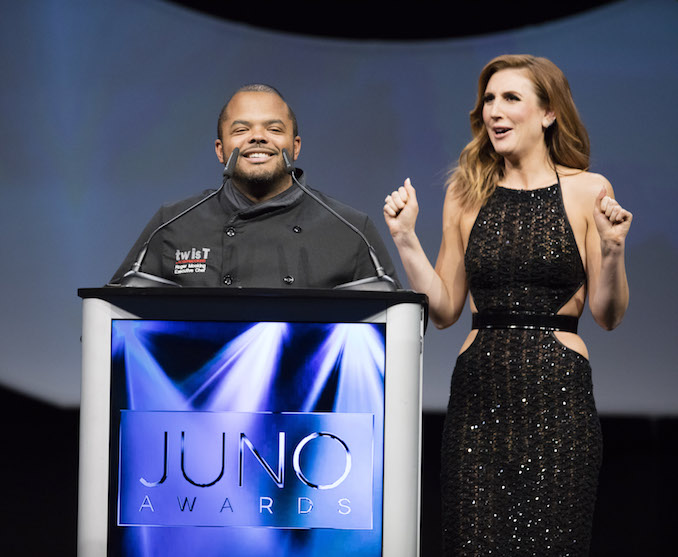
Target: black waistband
(524, 320)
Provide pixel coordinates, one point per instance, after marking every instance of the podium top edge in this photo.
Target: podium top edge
(111, 293)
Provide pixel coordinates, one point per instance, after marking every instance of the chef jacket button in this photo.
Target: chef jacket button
(230, 231)
(297, 229)
(228, 280)
(288, 279)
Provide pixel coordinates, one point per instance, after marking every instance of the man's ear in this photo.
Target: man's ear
(297, 147)
(219, 150)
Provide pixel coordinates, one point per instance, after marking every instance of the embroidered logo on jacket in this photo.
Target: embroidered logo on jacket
(193, 260)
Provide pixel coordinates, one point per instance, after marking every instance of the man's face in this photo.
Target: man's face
(260, 126)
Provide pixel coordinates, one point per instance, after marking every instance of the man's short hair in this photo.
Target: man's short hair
(257, 88)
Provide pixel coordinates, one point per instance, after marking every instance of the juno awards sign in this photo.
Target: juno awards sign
(287, 470)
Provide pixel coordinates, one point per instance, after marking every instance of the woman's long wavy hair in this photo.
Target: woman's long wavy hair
(480, 168)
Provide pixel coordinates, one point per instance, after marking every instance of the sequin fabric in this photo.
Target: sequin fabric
(522, 443)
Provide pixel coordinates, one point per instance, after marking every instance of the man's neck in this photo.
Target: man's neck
(260, 192)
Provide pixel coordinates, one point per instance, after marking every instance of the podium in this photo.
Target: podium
(250, 422)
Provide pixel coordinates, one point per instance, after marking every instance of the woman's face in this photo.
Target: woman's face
(514, 118)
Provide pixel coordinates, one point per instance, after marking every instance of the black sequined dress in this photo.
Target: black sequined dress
(522, 444)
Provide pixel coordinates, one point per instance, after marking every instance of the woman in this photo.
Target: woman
(529, 232)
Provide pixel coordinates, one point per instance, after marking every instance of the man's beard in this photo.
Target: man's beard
(261, 181)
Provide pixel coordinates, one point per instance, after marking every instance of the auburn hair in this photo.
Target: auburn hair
(480, 168)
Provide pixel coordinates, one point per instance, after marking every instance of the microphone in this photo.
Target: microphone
(229, 167)
(134, 277)
(380, 282)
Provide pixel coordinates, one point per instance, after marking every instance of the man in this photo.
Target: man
(261, 230)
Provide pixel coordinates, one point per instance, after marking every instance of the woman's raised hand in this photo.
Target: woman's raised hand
(401, 209)
(612, 220)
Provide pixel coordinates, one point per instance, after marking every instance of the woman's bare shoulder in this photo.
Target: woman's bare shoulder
(582, 185)
(453, 207)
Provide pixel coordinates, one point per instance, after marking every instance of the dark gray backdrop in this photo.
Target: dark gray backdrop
(109, 109)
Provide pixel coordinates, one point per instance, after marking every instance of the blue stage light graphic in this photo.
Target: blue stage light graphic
(357, 355)
(240, 375)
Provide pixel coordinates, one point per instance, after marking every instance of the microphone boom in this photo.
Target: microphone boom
(379, 282)
(134, 277)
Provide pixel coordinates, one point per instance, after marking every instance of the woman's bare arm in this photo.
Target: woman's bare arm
(445, 285)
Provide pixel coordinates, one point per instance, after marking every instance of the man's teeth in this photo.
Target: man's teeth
(258, 155)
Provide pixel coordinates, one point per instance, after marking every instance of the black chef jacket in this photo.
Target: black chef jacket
(287, 241)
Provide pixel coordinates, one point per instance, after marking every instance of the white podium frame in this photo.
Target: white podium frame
(404, 314)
